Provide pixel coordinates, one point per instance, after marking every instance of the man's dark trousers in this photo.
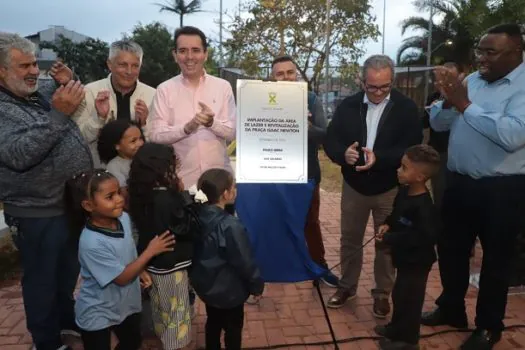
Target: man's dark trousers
(491, 208)
(50, 265)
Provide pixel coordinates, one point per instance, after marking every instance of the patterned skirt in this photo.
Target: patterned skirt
(170, 307)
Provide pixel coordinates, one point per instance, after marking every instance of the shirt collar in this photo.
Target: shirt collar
(519, 70)
(201, 80)
(509, 78)
(367, 101)
(118, 233)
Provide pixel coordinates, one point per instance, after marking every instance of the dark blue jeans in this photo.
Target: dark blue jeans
(50, 265)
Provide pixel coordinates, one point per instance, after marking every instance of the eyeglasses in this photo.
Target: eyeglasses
(383, 88)
(487, 52)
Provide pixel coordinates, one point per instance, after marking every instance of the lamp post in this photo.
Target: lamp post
(221, 62)
(384, 25)
(327, 52)
(446, 43)
(429, 51)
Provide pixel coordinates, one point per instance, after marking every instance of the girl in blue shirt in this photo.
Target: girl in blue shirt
(109, 297)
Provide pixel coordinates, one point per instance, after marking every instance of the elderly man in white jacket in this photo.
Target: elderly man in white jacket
(119, 96)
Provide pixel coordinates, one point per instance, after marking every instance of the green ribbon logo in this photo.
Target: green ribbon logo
(272, 98)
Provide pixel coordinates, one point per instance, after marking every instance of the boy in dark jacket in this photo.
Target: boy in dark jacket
(411, 232)
(224, 273)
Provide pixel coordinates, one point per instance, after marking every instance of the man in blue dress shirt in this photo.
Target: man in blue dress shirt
(484, 195)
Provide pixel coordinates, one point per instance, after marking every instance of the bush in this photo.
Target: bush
(9, 259)
(232, 149)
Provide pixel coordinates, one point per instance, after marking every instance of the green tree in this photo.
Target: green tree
(212, 64)
(157, 42)
(506, 11)
(87, 59)
(296, 27)
(462, 21)
(158, 64)
(181, 8)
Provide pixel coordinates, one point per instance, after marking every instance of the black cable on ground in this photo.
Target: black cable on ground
(355, 251)
(355, 339)
(325, 311)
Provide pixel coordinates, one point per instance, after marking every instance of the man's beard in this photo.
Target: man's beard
(19, 86)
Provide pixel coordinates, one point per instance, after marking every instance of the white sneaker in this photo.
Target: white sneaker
(63, 347)
(252, 301)
(70, 332)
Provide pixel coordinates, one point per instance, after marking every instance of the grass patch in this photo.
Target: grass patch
(331, 178)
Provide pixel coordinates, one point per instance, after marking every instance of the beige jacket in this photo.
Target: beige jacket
(86, 115)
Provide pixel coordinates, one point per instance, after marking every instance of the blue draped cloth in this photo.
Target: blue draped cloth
(275, 217)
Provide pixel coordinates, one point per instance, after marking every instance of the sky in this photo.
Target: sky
(109, 19)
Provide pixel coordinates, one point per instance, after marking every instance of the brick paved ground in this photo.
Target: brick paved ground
(292, 313)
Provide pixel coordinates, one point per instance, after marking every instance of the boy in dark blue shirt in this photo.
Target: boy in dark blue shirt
(411, 232)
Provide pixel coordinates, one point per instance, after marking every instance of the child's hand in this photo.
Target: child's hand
(381, 232)
(161, 244)
(145, 280)
(383, 229)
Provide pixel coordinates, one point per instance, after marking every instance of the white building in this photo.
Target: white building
(46, 57)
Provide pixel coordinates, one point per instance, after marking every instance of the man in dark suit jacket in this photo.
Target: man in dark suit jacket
(367, 137)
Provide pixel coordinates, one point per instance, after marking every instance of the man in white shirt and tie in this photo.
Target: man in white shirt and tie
(367, 137)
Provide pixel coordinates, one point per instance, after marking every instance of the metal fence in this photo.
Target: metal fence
(232, 75)
(409, 80)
